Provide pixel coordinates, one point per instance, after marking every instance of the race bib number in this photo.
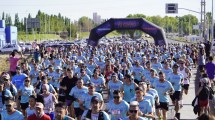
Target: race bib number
(115, 112)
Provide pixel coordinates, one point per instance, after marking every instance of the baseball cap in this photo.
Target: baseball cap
(176, 65)
(138, 88)
(50, 66)
(91, 84)
(58, 68)
(94, 99)
(6, 76)
(114, 74)
(39, 105)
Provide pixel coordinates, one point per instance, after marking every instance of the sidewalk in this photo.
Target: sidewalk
(187, 109)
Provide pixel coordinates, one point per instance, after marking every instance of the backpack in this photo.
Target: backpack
(101, 116)
(204, 93)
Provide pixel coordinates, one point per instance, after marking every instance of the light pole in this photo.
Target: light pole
(70, 31)
(212, 22)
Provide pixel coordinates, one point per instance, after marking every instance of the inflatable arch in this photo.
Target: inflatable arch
(127, 24)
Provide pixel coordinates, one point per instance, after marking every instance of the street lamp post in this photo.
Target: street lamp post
(212, 22)
(70, 31)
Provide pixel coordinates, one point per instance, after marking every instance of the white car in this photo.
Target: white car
(10, 48)
(28, 46)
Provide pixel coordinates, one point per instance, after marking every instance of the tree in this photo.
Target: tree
(85, 24)
(132, 33)
(3, 16)
(8, 20)
(16, 22)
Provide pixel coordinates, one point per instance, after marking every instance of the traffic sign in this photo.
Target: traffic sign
(33, 22)
(171, 8)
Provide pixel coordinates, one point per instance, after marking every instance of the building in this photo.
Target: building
(8, 34)
(96, 18)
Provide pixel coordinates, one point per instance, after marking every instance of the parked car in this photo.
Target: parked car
(22, 45)
(28, 46)
(10, 48)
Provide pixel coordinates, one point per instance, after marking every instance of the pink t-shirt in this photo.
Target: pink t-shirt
(13, 63)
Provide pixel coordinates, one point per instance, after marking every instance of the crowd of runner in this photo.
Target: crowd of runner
(123, 81)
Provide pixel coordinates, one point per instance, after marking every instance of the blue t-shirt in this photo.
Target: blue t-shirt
(86, 98)
(162, 88)
(146, 73)
(18, 80)
(91, 67)
(118, 111)
(98, 82)
(167, 71)
(35, 74)
(29, 111)
(55, 81)
(58, 62)
(175, 80)
(36, 55)
(157, 66)
(77, 93)
(26, 92)
(145, 105)
(138, 72)
(101, 64)
(150, 98)
(86, 78)
(152, 80)
(17, 115)
(153, 92)
(129, 91)
(114, 86)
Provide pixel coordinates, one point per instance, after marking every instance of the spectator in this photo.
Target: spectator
(210, 69)
(14, 62)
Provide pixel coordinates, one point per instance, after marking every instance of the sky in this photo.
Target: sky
(74, 9)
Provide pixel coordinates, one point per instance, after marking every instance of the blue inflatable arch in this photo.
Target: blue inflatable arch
(127, 24)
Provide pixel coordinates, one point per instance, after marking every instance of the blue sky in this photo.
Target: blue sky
(75, 9)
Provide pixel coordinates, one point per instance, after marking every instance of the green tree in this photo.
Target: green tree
(8, 20)
(85, 23)
(3, 16)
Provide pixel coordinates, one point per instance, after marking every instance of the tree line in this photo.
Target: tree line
(55, 24)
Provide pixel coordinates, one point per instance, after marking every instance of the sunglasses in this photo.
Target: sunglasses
(116, 97)
(9, 105)
(27, 81)
(6, 80)
(133, 111)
